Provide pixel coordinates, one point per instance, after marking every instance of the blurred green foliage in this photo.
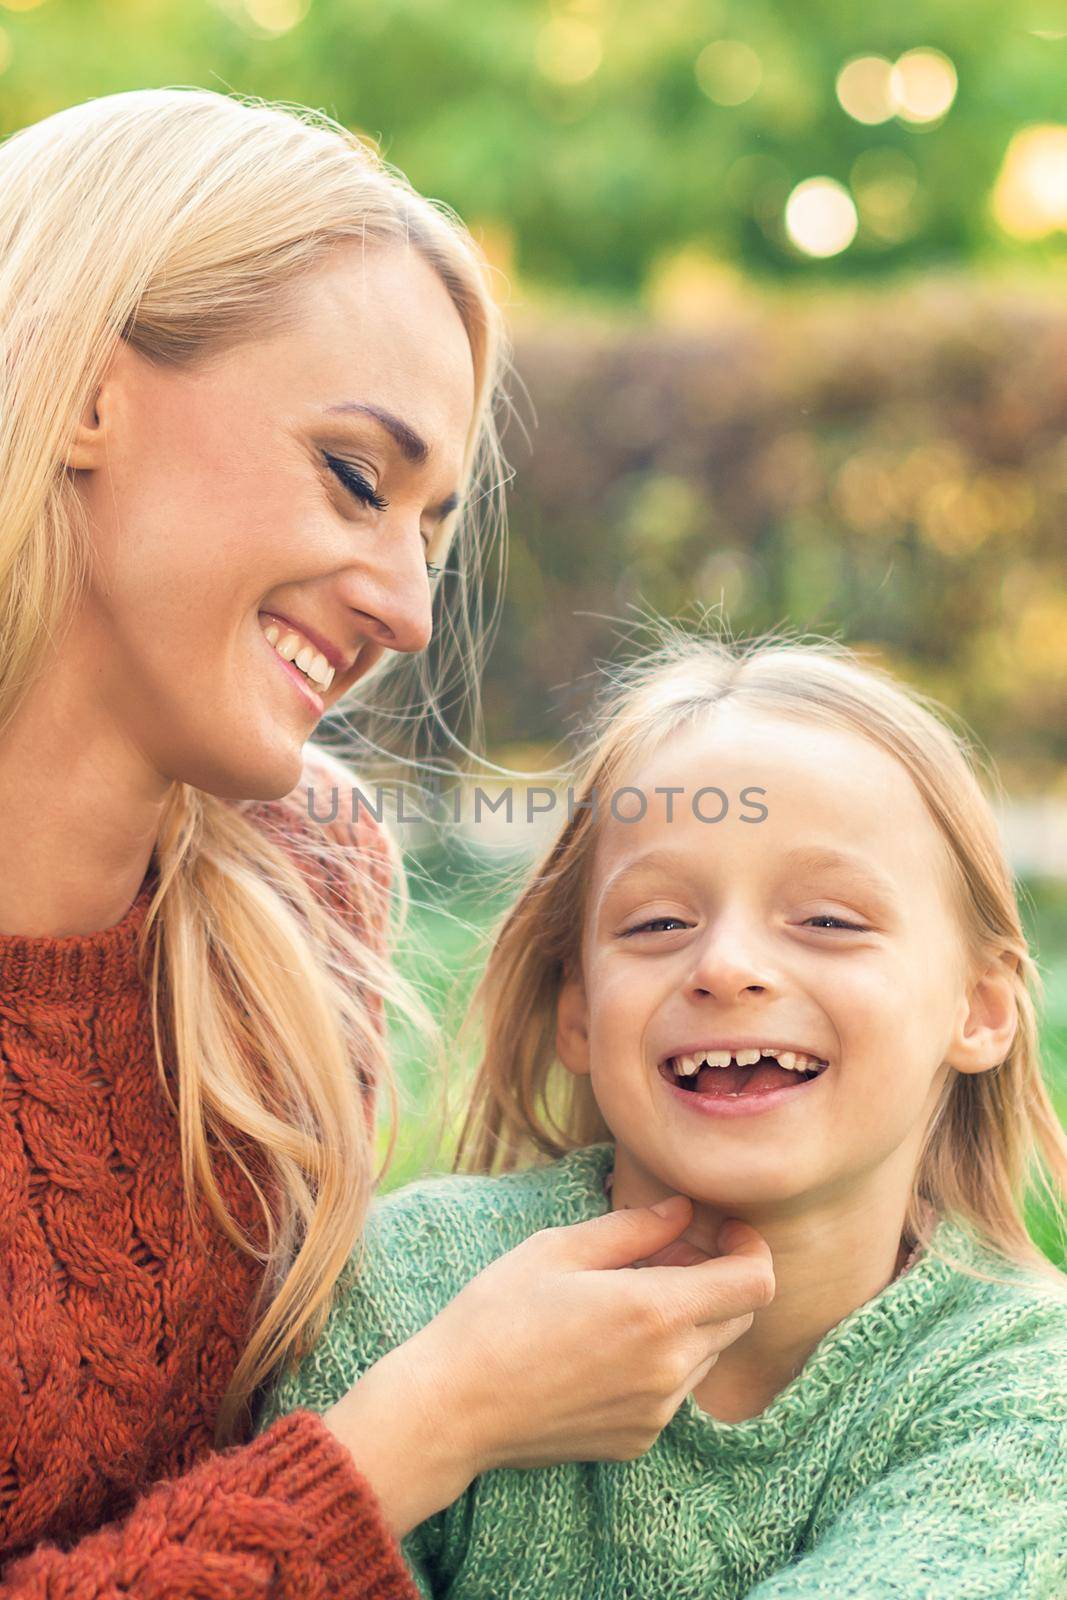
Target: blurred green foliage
(594, 136)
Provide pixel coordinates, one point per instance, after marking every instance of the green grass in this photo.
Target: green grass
(453, 904)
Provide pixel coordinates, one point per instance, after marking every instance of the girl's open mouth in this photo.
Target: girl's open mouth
(739, 1090)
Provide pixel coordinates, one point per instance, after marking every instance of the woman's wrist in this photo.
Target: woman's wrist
(404, 1438)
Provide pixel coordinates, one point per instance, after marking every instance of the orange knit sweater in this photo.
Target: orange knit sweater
(118, 1335)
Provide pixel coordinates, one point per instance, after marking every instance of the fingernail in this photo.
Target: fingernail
(668, 1208)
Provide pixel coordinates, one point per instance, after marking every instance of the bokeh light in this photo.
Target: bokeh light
(923, 85)
(820, 217)
(919, 88)
(1030, 195)
(864, 89)
(277, 16)
(569, 50)
(691, 288)
(729, 71)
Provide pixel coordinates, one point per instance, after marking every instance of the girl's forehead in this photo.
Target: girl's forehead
(751, 750)
(756, 790)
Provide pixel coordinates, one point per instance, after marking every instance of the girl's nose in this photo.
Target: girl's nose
(728, 967)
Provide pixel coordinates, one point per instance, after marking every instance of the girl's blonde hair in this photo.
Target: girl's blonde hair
(183, 221)
(994, 1137)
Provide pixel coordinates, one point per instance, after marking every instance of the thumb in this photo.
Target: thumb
(619, 1238)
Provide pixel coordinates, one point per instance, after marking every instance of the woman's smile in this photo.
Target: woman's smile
(312, 698)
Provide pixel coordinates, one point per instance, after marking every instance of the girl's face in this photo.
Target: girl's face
(308, 477)
(825, 927)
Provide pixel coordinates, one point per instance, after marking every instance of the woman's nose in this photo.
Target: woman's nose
(392, 598)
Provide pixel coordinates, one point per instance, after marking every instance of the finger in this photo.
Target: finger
(679, 1254)
(715, 1290)
(737, 1237)
(619, 1238)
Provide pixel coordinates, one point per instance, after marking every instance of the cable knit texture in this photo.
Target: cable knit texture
(118, 1335)
(920, 1452)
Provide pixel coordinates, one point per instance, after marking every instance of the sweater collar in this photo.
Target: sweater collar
(921, 1293)
(77, 968)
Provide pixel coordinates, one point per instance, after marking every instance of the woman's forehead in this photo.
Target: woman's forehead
(378, 329)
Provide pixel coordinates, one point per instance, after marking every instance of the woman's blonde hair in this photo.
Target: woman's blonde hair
(184, 221)
(994, 1138)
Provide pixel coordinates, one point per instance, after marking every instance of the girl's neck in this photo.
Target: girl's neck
(829, 1259)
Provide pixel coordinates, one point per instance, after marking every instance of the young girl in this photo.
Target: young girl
(773, 961)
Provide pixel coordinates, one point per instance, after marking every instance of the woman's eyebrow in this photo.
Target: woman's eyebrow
(413, 446)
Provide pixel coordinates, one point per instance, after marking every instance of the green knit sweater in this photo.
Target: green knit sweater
(920, 1451)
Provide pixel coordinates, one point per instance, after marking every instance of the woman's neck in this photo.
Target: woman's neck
(81, 814)
(829, 1258)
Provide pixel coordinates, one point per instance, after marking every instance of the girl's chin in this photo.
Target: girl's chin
(730, 1187)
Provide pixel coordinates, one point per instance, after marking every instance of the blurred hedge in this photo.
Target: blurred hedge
(888, 468)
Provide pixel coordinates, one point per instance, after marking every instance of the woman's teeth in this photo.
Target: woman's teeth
(292, 646)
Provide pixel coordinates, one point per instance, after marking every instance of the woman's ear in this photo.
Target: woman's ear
(113, 397)
(572, 1024)
(988, 1018)
(86, 451)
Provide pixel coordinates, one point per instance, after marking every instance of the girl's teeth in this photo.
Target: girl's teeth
(791, 1060)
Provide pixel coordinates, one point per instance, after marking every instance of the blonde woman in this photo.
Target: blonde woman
(247, 395)
(773, 961)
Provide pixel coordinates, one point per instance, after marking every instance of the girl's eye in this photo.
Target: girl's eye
(839, 922)
(354, 482)
(654, 922)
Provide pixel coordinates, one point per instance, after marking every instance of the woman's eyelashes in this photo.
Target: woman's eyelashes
(357, 485)
(355, 482)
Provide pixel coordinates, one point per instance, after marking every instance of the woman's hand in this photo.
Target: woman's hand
(551, 1355)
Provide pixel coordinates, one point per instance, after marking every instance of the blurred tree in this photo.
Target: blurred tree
(598, 138)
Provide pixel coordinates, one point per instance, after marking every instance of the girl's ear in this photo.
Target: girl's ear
(988, 1018)
(572, 1024)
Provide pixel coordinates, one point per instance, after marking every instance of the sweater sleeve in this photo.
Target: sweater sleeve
(978, 1511)
(384, 1296)
(285, 1517)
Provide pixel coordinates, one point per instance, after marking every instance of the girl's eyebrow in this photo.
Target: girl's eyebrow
(804, 858)
(647, 861)
(823, 858)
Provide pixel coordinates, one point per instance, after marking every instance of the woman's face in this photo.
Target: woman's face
(306, 477)
(826, 926)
